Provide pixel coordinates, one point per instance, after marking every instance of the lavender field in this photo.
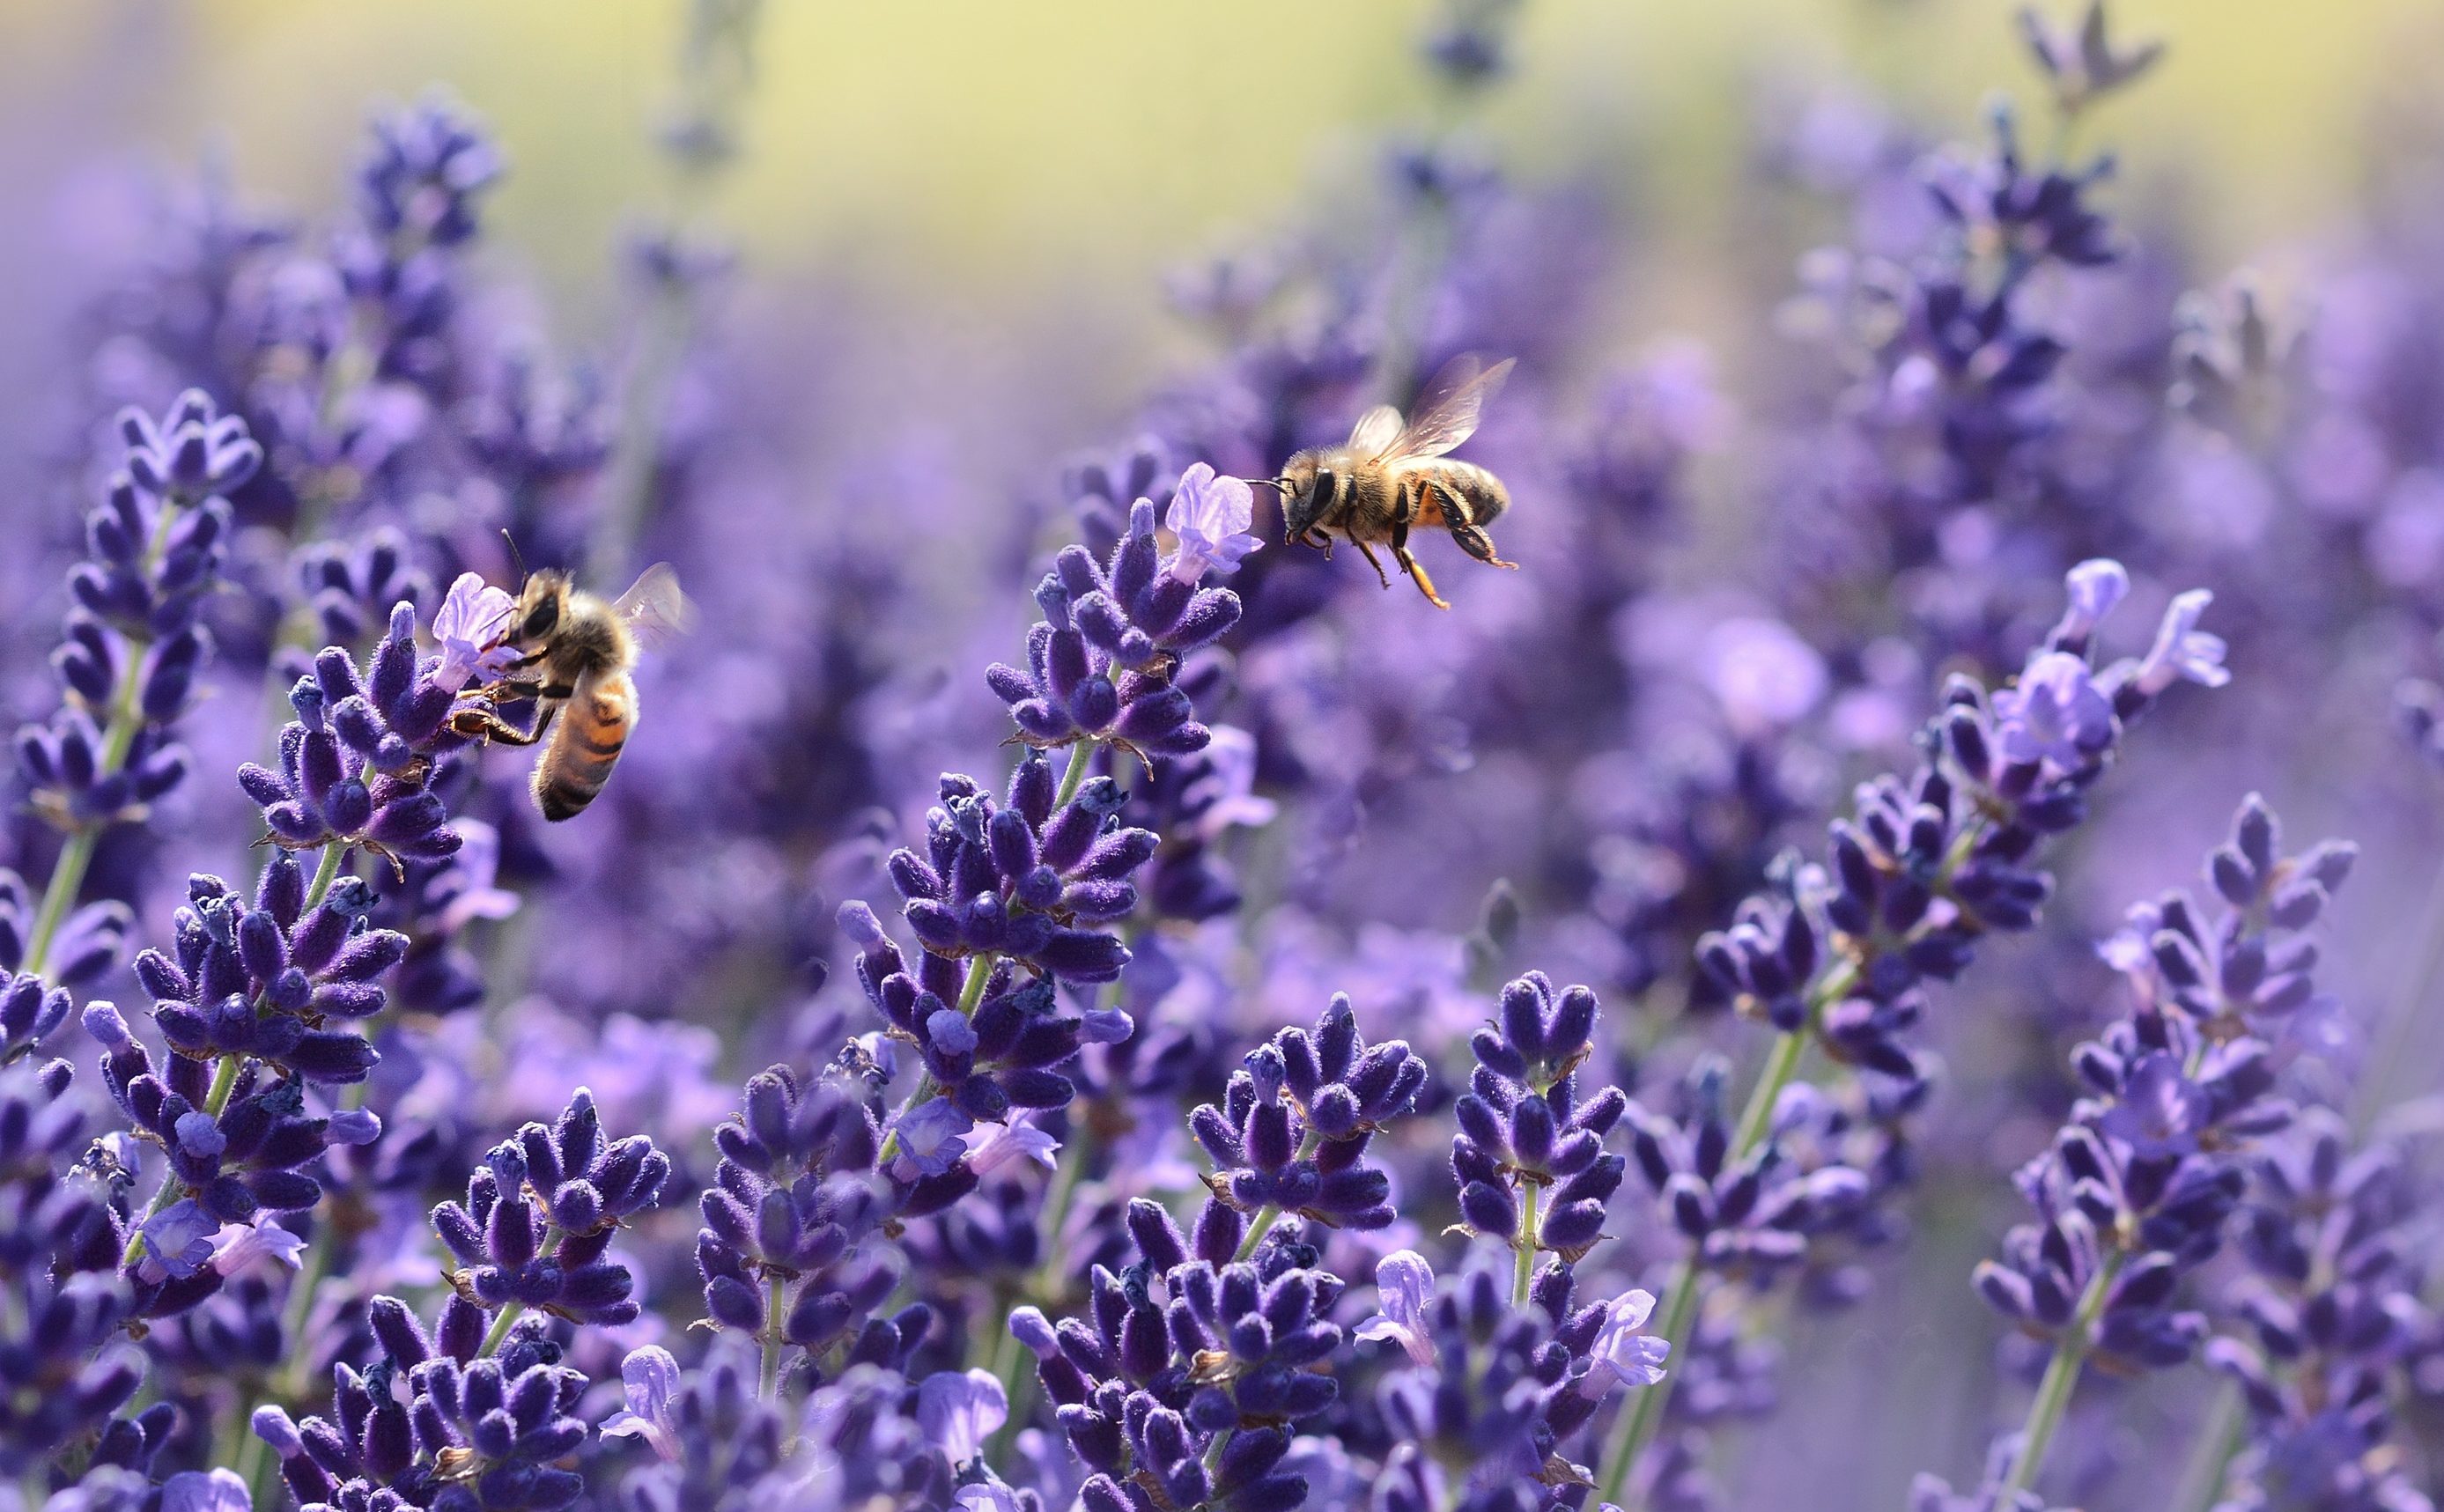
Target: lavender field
(1523, 855)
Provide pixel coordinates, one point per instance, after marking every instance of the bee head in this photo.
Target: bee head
(1302, 500)
(542, 602)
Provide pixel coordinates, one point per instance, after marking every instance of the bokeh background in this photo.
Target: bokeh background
(1045, 166)
(960, 233)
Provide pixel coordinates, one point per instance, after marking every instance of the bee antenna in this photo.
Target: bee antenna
(516, 558)
(1274, 483)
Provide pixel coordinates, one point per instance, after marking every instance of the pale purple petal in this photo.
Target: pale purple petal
(206, 1491)
(995, 1145)
(2095, 587)
(1211, 516)
(959, 1412)
(1404, 1283)
(1623, 1354)
(931, 1137)
(238, 1246)
(472, 619)
(177, 1241)
(651, 1377)
(2182, 651)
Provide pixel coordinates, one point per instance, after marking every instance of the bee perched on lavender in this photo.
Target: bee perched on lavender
(1390, 477)
(576, 652)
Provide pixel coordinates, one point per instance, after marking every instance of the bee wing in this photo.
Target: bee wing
(1448, 408)
(652, 608)
(1375, 431)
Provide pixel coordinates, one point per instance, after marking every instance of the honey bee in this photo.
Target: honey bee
(1391, 477)
(576, 653)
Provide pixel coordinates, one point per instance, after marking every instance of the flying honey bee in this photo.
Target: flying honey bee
(1390, 478)
(576, 653)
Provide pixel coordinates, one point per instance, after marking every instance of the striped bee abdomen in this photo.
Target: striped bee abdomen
(596, 724)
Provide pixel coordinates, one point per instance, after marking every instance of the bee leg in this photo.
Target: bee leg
(486, 724)
(1474, 541)
(1375, 562)
(1409, 563)
(1416, 570)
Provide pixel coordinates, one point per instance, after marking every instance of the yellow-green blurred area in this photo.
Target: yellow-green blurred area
(996, 147)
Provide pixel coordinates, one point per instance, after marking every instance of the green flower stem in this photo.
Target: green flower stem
(2218, 1440)
(1073, 777)
(2062, 1375)
(771, 1376)
(1522, 1269)
(1644, 1414)
(124, 719)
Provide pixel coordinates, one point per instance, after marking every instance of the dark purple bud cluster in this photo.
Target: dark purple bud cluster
(534, 435)
(432, 907)
(1291, 1132)
(417, 191)
(715, 1442)
(2082, 62)
(28, 1014)
(1103, 662)
(543, 1210)
(793, 1249)
(1499, 1387)
(356, 763)
(2025, 215)
(268, 980)
(2249, 970)
(1529, 1158)
(1846, 1156)
(1032, 879)
(237, 1145)
(1753, 1214)
(1183, 1389)
(423, 171)
(352, 587)
(2329, 1322)
(1927, 866)
(131, 645)
(2140, 1182)
(65, 1366)
(448, 1421)
(1970, 334)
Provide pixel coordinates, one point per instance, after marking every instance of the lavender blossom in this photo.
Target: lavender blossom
(541, 1212)
(1101, 663)
(356, 763)
(2143, 1180)
(265, 980)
